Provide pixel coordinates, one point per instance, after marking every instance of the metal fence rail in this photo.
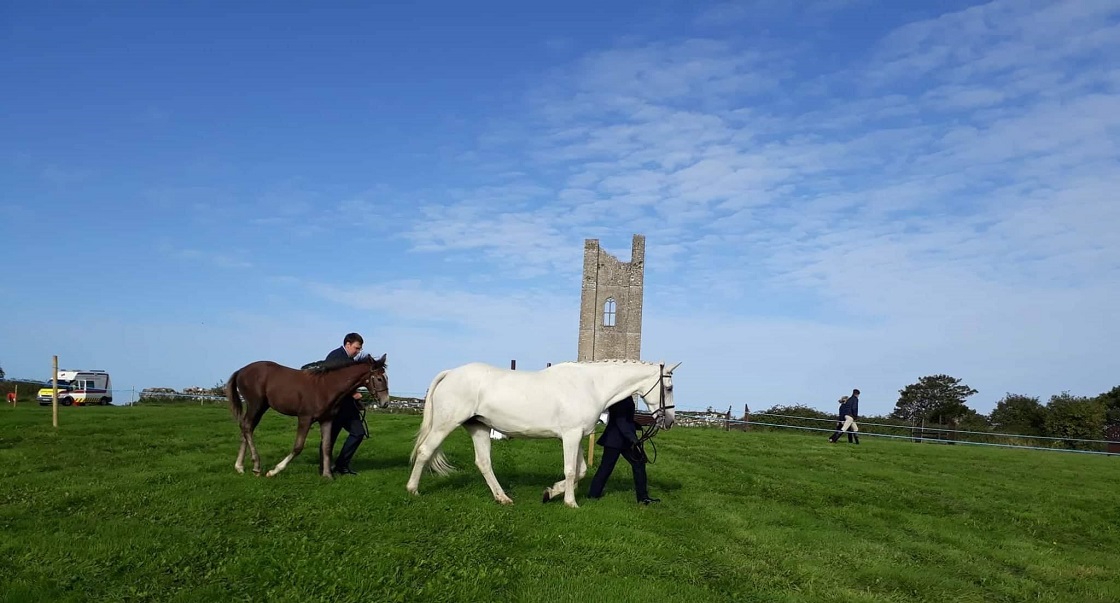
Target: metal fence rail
(915, 433)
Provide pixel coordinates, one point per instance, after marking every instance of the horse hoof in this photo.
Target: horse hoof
(505, 500)
(547, 496)
(239, 470)
(270, 474)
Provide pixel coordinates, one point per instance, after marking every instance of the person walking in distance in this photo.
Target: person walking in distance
(349, 412)
(853, 407)
(846, 418)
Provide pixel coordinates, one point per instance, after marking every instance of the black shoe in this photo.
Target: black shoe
(344, 471)
(647, 500)
(545, 497)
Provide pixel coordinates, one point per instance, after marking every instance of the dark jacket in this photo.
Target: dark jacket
(845, 409)
(621, 431)
(338, 355)
(853, 406)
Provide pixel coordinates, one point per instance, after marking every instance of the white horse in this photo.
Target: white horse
(563, 401)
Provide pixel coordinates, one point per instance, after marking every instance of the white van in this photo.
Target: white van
(80, 387)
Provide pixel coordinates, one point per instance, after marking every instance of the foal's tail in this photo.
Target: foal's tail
(234, 396)
(438, 462)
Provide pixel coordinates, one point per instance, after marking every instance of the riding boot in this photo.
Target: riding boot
(857, 438)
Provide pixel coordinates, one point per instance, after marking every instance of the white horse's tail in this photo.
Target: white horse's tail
(438, 462)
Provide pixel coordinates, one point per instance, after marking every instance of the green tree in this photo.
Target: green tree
(933, 397)
(1110, 399)
(1017, 413)
(1075, 417)
(973, 421)
(2, 373)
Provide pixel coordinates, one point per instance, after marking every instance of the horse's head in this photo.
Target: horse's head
(377, 381)
(660, 397)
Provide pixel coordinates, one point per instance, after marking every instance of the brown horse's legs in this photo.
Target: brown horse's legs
(247, 433)
(239, 464)
(325, 448)
(301, 436)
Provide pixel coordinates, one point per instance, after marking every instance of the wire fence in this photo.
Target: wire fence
(900, 431)
(413, 402)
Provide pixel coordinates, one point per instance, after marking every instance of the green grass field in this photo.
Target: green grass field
(143, 504)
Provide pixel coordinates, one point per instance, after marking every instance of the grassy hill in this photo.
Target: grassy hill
(129, 504)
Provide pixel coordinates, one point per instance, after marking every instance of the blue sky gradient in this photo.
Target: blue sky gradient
(834, 194)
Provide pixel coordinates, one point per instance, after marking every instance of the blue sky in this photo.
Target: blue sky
(834, 194)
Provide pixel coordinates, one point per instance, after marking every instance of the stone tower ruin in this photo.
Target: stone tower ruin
(610, 315)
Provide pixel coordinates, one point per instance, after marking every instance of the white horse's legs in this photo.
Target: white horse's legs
(424, 452)
(480, 434)
(560, 487)
(572, 462)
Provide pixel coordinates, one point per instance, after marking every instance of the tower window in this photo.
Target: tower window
(608, 312)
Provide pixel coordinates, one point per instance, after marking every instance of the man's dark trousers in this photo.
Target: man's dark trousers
(606, 466)
(348, 418)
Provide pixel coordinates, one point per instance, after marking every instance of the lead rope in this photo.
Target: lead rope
(639, 447)
(365, 426)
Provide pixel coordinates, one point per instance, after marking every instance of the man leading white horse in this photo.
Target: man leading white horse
(563, 401)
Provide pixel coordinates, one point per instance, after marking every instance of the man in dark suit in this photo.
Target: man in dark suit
(349, 414)
(618, 439)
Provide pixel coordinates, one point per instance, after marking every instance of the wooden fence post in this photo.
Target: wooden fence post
(513, 365)
(54, 389)
(727, 422)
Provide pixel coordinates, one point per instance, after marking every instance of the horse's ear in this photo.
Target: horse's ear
(381, 360)
(673, 368)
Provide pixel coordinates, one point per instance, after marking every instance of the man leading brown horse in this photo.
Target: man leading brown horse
(310, 395)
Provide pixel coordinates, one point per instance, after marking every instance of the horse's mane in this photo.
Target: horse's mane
(323, 367)
(608, 361)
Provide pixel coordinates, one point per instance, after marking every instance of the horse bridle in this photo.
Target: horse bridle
(374, 392)
(651, 430)
(661, 394)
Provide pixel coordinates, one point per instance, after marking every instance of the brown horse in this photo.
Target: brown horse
(311, 395)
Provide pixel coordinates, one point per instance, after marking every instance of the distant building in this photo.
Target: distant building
(610, 317)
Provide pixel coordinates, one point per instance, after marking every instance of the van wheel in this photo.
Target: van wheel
(67, 401)
(104, 402)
